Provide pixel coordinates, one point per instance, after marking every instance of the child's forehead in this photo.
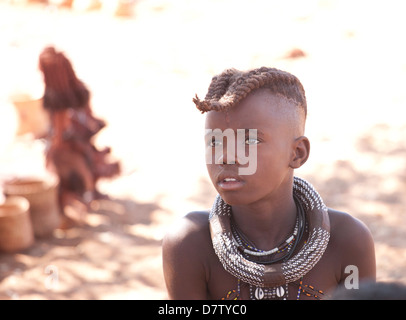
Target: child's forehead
(272, 100)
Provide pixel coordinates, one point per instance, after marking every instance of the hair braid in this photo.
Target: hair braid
(231, 86)
(63, 89)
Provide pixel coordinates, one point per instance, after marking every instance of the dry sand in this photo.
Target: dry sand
(144, 70)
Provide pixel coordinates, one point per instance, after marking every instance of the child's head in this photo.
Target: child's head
(273, 103)
(231, 86)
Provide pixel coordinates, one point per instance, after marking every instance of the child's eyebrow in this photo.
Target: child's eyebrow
(259, 132)
(210, 132)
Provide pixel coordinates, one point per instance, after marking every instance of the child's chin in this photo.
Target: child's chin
(234, 199)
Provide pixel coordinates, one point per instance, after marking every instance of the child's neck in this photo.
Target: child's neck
(267, 222)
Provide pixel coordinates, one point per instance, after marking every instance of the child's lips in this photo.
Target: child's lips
(230, 183)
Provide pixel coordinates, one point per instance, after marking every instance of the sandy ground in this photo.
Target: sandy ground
(143, 71)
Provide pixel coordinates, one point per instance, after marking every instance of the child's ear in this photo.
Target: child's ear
(301, 151)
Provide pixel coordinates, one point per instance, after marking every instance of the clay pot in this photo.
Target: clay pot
(16, 232)
(43, 199)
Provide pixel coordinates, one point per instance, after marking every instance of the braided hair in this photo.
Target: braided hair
(63, 89)
(231, 86)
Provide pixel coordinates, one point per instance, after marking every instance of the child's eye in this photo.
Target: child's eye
(215, 143)
(251, 141)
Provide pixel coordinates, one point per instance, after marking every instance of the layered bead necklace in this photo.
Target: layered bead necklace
(287, 247)
(246, 247)
(267, 276)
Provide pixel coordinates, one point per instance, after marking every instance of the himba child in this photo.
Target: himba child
(71, 152)
(269, 234)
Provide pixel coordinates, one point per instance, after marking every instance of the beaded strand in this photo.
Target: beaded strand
(292, 267)
(245, 247)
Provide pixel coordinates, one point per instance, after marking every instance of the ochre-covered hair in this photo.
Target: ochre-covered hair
(231, 86)
(63, 89)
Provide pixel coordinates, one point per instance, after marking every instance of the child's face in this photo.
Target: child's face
(277, 124)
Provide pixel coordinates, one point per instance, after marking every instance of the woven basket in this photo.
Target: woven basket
(16, 232)
(43, 199)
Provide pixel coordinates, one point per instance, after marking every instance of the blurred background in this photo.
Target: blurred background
(143, 61)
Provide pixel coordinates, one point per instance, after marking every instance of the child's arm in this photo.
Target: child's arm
(356, 250)
(184, 250)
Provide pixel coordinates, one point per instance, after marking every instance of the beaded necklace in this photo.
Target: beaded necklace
(272, 275)
(306, 289)
(248, 249)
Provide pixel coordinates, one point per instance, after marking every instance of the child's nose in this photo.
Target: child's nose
(227, 157)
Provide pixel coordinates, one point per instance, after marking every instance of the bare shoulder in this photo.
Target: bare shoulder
(347, 229)
(192, 227)
(352, 243)
(185, 249)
